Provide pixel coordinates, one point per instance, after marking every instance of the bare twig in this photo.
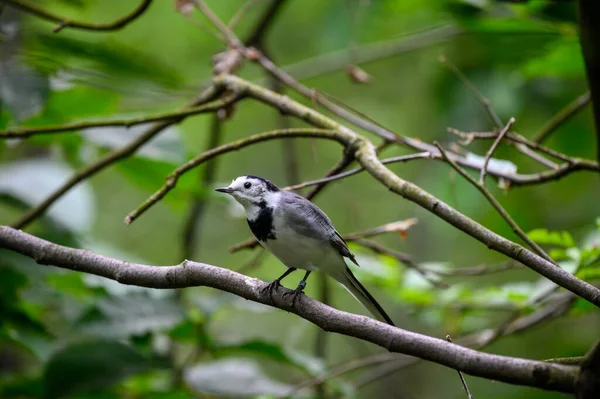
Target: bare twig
(489, 154)
(400, 227)
(403, 258)
(330, 178)
(232, 39)
(561, 117)
(462, 378)
(121, 153)
(234, 146)
(363, 54)
(33, 9)
(512, 370)
(476, 270)
(239, 14)
(69, 127)
(517, 138)
(487, 104)
(481, 187)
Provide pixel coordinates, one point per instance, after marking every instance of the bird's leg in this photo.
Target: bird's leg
(277, 282)
(299, 290)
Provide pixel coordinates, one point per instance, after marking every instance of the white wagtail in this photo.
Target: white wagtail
(300, 235)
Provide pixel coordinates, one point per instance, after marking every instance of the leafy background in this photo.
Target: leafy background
(64, 334)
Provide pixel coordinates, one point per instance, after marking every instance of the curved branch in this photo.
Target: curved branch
(33, 9)
(366, 155)
(118, 154)
(518, 371)
(25, 132)
(233, 146)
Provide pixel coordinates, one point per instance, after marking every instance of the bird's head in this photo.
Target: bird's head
(250, 190)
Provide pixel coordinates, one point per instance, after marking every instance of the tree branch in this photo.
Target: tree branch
(120, 153)
(31, 8)
(562, 116)
(365, 154)
(173, 116)
(234, 146)
(481, 187)
(542, 375)
(489, 154)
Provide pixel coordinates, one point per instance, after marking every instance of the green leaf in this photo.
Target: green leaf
(273, 351)
(31, 180)
(560, 59)
(91, 365)
(558, 238)
(135, 314)
(589, 273)
(237, 377)
(581, 307)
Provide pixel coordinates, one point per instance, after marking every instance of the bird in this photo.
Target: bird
(300, 235)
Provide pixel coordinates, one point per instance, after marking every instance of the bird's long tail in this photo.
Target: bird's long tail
(358, 291)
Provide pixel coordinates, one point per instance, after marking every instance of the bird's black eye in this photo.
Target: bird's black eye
(247, 185)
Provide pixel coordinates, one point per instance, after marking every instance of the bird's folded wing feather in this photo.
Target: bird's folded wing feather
(307, 219)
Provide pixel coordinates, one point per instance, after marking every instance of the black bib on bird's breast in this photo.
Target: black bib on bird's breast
(262, 226)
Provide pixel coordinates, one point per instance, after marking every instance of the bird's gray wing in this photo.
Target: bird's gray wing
(307, 219)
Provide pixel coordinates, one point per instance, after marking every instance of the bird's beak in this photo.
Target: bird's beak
(226, 190)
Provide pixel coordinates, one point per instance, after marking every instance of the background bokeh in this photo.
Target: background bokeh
(67, 334)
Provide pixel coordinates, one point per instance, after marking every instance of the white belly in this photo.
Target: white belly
(301, 252)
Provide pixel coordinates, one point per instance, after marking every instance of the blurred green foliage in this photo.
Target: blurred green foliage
(63, 334)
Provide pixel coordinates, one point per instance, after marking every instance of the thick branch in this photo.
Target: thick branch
(501, 368)
(33, 9)
(366, 155)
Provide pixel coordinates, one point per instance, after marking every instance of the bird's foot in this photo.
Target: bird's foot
(297, 292)
(271, 287)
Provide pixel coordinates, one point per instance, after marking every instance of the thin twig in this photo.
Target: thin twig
(489, 154)
(476, 270)
(517, 138)
(386, 161)
(33, 9)
(481, 187)
(233, 146)
(239, 14)
(400, 227)
(462, 378)
(404, 259)
(121, 153)
(25, 132)
(232, 39)
(487, 104)
(562, 116)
